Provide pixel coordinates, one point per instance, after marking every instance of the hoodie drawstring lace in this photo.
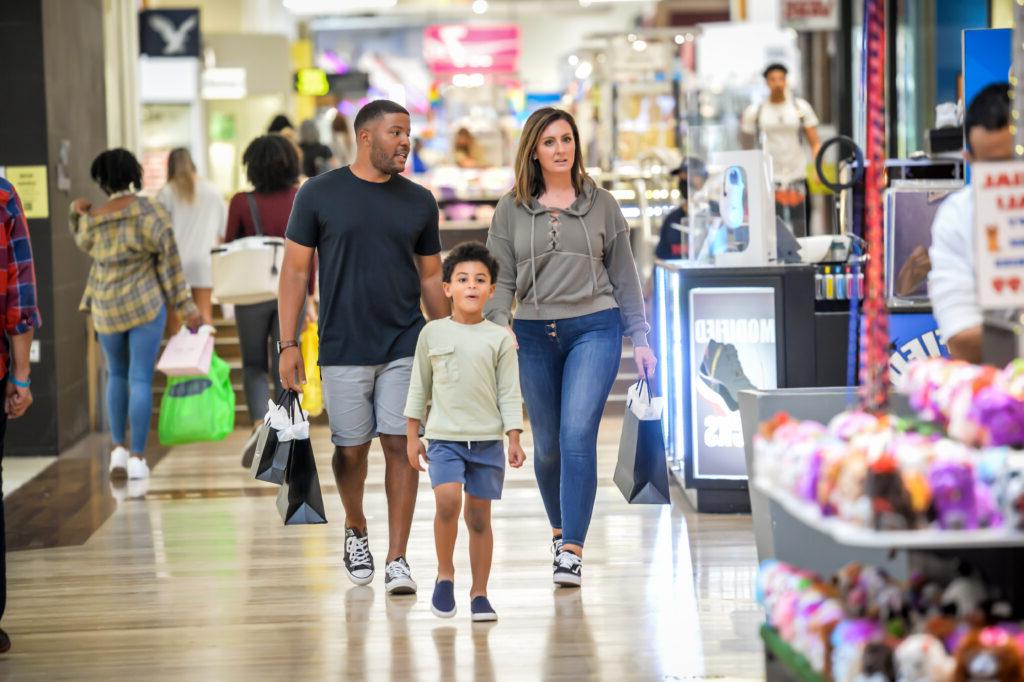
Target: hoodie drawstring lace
(590, 257)
(533, 259)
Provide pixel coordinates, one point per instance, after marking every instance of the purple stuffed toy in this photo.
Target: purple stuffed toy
(953, 499)
(1000, 415)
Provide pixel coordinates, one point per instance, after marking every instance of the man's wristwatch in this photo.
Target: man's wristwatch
(282, 345)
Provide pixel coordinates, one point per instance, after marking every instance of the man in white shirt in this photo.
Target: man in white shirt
(781, 119)
(951, 280)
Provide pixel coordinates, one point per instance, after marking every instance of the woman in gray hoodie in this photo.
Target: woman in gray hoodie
(563, 249)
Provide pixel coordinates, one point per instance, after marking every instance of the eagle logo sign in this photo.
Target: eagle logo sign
(175, 37)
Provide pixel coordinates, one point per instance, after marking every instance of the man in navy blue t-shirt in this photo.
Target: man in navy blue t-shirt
(376, 236)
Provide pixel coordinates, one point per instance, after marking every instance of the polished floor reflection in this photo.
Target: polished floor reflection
(196, 579)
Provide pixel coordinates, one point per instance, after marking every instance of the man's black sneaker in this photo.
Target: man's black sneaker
(721, 370)
(358, 560)
(398, 577)
(568, 569)
(442, 604)
(5, 642)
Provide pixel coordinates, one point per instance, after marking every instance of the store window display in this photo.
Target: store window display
(779, 123)
(951, 284)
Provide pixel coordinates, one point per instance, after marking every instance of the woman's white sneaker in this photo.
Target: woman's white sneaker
(137, 469)
(119, 462)
(568, 569)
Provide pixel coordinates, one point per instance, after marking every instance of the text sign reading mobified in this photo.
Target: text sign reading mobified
(999, 234)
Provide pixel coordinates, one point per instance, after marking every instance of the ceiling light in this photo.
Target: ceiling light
(640, 45)
(631, 37)
(479, 6)
(680, 39)
(573, 60)
(584, 70)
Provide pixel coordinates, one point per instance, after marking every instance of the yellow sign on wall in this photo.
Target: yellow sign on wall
(30, 183)
(311, 82)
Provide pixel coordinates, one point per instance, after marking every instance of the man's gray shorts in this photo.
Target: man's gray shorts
(363, 401)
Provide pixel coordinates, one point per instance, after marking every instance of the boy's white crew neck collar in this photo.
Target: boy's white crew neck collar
(452, 319)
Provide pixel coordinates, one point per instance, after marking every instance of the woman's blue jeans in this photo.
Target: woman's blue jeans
(131, 358)
(567, 368)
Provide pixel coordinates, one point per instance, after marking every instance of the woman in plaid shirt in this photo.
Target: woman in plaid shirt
(136, 274)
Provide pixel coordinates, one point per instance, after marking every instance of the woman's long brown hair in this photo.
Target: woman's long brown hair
(529, 178)
(181, 174)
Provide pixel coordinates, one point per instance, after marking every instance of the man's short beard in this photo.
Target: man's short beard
(383, 162)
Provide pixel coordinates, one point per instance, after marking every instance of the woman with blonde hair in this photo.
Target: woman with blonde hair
(199, 216)
(564, 258)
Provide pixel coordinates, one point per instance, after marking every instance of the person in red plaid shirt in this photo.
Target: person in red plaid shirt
(20, 315)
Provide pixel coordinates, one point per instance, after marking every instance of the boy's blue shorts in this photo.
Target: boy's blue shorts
(478, 465)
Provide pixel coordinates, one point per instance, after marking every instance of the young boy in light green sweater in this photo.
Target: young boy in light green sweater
(467, 368)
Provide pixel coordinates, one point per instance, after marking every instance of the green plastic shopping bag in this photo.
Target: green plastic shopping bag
(198, 408)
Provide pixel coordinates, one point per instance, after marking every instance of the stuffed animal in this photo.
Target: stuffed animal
(877, 663)
(848, 496)
(988, 654)
(964, 596)
(891, 508)
(923, 658)
(1010, 491)
(849, 640)
(953, 500)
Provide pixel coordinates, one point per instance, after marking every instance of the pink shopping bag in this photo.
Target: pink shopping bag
(187, 354)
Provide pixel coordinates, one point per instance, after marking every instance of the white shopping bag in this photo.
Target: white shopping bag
(188, 354)
(641, 404)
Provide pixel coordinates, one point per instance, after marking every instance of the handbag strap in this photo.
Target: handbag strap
(257, 221)
(644, 384)
(294, 405)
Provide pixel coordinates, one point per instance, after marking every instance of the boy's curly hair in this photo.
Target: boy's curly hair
(468, 252)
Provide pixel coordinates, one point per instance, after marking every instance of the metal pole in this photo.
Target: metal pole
(1017, 78)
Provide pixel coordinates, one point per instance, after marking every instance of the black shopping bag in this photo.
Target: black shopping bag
(271, 456)
(642, 470)
(299, 499)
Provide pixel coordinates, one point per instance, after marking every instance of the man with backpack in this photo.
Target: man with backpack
(776, 124)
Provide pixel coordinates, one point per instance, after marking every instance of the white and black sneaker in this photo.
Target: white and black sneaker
(398, 577)
(358, 560)
(568, 569)
(556, 548)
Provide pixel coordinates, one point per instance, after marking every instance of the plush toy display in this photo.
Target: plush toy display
(886, 478)
(958, 481)
(864, 626)
(978, 405)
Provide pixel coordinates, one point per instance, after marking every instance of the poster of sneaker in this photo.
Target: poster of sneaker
(732, 348)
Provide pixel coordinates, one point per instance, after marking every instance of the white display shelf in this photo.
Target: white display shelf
(852, 535)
